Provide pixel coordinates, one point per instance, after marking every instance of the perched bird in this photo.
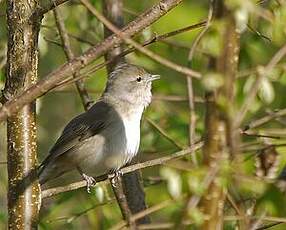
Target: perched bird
(106, 137)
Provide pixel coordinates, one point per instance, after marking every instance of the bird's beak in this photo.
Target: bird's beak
(154, 77)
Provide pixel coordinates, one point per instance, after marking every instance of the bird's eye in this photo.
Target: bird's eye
(138, 79)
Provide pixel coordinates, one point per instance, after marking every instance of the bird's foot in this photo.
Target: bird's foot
(90, 182)
(114, 176)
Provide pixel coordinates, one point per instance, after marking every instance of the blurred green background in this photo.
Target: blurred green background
(169, 110)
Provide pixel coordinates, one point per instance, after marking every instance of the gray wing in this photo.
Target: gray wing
(80, 128)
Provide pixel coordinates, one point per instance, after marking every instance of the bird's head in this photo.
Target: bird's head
(130, 83)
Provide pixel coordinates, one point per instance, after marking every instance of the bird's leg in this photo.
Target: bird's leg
(114, 176)
(90, 181)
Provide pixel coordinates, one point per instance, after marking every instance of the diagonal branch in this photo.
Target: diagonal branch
(64, 71)
(128, 40)
(157, 38)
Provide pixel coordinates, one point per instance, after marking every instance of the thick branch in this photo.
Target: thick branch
(51, 80)
(220, 134)
(22, 67)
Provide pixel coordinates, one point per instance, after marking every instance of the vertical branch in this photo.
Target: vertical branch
(113, 10)
(214, 153)
(227, 65)
(85, 98)
(220, 137)
(192, 116)
(22, 67)
(129, 190)
(192, 119)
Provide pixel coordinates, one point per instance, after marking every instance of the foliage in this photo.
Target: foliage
(263, 36)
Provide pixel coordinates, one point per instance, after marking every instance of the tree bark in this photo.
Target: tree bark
(22, 67)
(221, 139)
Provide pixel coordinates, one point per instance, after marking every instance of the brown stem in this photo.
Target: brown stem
(85, 98)
(22, 67)
(64, 71)
(221, 138)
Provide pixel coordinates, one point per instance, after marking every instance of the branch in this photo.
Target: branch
(192, 203)
(221, 137)
(146, 212)
(64, 71)
(45, 6)
(85, 98)
(262, 72)
(192, 116)
(164, 133)
(265, 119)
(54, 191)
(157, 38)
(126, 39)
(23, 193)
(192, 113)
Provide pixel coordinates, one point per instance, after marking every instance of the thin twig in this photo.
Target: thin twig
(262, 72)
(269, 226)
(192, 117)
(258, 222)
(125, 38)
(238, 210)
(70, 219)
(256, 134)
(157, 38)
(194, 201)
(265, 218)
(85, 98)
(265, 119)
(258, 33)
(148, 211)
(163, 133)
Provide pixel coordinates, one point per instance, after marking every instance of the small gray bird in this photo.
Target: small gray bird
(106, 137)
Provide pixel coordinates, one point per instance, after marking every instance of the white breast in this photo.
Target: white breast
(132, 132)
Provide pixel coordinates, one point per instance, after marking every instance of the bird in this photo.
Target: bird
(106, 137)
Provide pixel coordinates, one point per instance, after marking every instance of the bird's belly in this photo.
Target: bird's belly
(101, 155)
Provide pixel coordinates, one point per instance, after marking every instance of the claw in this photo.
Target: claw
(114, 176)
(90, 182)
